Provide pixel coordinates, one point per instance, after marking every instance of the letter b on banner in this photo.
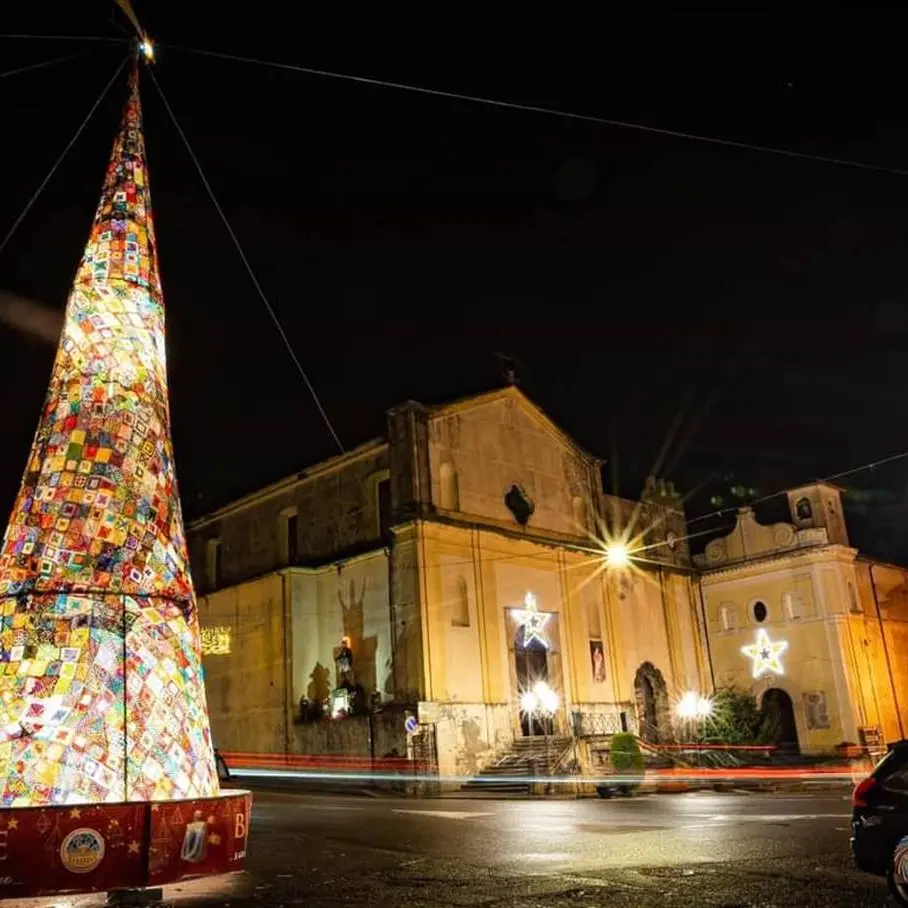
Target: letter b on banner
(239, 826)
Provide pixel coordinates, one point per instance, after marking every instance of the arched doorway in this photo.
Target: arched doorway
(778, 714)
(531, 658)
(653, 713)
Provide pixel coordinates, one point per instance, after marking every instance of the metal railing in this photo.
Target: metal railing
(596, 724)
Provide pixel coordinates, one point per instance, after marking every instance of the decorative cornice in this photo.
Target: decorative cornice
(757, 565)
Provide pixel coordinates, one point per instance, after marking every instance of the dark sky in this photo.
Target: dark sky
(405, 240)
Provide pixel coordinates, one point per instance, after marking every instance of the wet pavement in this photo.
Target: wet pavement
(692, 849)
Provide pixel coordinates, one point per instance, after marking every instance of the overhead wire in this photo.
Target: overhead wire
(248, 266)
(63, 38)
(549, 111)
(69, 144)
(870, 465)
(43, 64)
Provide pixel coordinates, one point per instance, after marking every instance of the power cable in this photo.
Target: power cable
(64, 38)
(550, 111)
(63, 154)
(872, 465)
(245, 260)
(32, 66)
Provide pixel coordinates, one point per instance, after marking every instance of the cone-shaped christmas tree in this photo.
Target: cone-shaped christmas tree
(101, 689)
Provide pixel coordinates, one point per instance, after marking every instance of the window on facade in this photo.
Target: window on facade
(460, 606)
(593, 624)
(727, 617)
(579, 506)
(383, 501)
(759, 612)
(215, 564)
(449, 493)
(803, 510)
(854, 606)
(292, 539)
(794, 607)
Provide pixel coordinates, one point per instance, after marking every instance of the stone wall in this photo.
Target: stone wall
(469, 736)
(336, 511)
(351, 736)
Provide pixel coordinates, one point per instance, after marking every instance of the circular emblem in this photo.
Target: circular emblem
(411, 725)
(900, 861)
(82, 850)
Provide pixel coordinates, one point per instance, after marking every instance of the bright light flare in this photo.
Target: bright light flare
(541, 699)
(147, 49)
(693, 706)
(548, 699)
(617, 555)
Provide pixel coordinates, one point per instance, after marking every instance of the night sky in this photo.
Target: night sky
(757, 304)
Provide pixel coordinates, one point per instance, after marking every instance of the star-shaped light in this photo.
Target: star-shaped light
(533, 621)
(766, 655)
(12, 824)
(214, 839)
(75, 813)
(133, 847)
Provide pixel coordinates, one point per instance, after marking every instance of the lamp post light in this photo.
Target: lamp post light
(693, 708)
(617, 555)
(539, 703)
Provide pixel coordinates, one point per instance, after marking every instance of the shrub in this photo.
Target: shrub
(736, 719)
(627, 760)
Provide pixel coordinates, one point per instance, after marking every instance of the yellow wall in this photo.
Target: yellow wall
(645, 617)
(821, 603)
(247, 688)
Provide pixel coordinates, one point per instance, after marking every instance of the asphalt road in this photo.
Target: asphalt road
(727, 850)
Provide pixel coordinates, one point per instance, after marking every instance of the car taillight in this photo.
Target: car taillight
(862, 792)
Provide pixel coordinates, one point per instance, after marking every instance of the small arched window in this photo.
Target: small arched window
(803, 510)
(448, 491)
(793, 605)
(460, 606)
(727, 617)
(214, 566)
(579, 506)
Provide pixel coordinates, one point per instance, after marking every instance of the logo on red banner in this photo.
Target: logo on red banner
(82, 850)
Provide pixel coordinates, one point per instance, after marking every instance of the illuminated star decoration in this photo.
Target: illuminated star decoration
(533, 621)
(766, 655)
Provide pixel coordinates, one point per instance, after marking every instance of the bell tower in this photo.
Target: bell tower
(819, 506)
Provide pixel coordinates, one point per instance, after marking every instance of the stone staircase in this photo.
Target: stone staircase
(513, 771)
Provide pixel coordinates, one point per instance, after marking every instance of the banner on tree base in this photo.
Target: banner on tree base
(102, 847)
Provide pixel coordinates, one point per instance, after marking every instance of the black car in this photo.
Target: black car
(879, 822)
(223, 771)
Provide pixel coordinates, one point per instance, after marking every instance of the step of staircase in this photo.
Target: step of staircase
(525, 757)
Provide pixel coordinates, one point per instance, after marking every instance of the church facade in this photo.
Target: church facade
(457, 567)
(801, 617)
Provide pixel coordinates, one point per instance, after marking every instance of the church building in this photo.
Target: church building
(455, 566)
(468, 570)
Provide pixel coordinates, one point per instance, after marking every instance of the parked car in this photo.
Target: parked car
(223, 771)
(879, 822)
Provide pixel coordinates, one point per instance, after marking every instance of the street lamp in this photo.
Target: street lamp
(617, 555)
(540, 702)
(692, 706)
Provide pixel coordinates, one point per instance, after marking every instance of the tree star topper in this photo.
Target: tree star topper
(533, 621)
(766, 655)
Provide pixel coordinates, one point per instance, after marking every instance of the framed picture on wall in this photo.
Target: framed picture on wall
(597, 661)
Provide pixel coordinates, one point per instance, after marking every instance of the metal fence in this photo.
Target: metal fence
(592, 725)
